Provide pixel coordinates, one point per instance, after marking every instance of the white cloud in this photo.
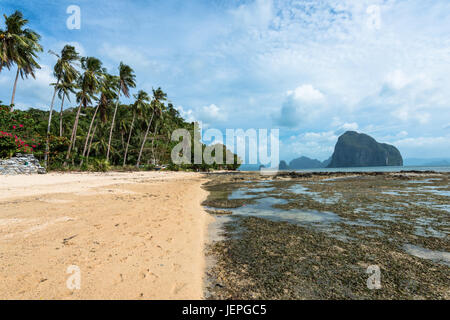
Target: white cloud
(423, 147)
(397, 80)
(36, 93)
(211, 113)
(424, 141)
(134, 57)
(207, 114)
(350, 126)
(303, 104)
(188, 115)
(310, 144)
(257, 14)
(307, 93)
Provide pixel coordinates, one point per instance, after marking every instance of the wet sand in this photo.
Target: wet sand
(132, 236)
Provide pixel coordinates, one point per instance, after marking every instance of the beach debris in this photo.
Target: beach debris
(66, 240)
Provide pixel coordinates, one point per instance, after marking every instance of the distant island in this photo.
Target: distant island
(303, 163)
(352, 149)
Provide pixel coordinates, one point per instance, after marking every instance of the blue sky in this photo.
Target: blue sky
(312, 68)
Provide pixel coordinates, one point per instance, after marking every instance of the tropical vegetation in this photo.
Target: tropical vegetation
(97, 131)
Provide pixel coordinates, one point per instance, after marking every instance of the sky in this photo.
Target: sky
(311, 68)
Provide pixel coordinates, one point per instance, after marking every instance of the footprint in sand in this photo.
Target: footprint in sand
(147, 274)
(176, 267)
(178, 287)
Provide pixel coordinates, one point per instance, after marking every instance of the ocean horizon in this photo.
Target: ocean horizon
(367, 169)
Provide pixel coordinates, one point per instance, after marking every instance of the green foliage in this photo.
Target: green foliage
(101, 165)
(98, 133)
(7, 147)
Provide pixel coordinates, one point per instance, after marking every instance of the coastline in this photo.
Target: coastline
(314, 236)
(134, 235)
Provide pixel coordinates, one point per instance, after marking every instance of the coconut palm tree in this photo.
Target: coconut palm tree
(102, 111)
(88, 84)
(19, 45)
(126, 81)
(159, 116)
(107, 87)
(142, 99)
(155, 107)
(64, 89)
(63, 70)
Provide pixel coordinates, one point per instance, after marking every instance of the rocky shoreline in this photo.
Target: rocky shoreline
(21, 164)
(382, 219)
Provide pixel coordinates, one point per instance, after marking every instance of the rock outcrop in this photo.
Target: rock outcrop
(305, 163)
(21, 164)
(360, 150)
(283, 165)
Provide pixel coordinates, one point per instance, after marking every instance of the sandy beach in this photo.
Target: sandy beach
(132, 235)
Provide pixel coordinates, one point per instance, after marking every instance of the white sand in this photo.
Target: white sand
(133, 235)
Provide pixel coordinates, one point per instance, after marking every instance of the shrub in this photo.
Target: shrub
(101, 165)
(8, 146)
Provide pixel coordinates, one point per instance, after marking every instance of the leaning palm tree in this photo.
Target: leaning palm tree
(103, 112)
(126, 81)
(64, 70)
(19, 45)
(159, 116)
(64, 89)
(155, 105)
(107, 87)
(142, 99)
(88, 84)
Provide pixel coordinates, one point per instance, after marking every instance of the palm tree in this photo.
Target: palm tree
(64, 89)
(142, 98)
(155, 106)
(19, 46)
(159, 116)
(63, 71)
(126, 81)
(88, 84)
(107, 94)
(102, 111)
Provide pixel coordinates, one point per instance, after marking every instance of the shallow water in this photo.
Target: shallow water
(436, 256)
(430, 180)
(436, 190)
(376, 218)
(300, 189)
(264, 208)
(375, 213)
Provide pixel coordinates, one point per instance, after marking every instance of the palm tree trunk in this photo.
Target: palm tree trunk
(88, 135)
(47, 147)
(153, 140)
(74, 133)
(90, 143)
(61, 117)
(112, 126)
(14, 89)
(145, 139)
(129, 137)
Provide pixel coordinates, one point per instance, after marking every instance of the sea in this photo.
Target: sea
(367, 169)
